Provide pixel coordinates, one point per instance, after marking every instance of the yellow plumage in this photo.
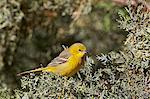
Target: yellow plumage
(67, 63)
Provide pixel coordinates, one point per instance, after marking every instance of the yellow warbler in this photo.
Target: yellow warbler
(67, 63)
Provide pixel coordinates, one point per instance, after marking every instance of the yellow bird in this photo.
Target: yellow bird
(67, 63)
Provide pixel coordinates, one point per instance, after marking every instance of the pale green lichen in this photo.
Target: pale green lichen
(117, 75)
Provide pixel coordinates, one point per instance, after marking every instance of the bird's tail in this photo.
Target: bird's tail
(30, 71)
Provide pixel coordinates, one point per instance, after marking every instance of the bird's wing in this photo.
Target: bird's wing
(62, 58)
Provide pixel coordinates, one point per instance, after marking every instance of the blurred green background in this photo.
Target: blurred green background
(32, 32)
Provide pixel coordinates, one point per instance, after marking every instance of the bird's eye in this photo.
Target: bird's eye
(80, 50)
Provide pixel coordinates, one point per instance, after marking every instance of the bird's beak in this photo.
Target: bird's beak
(85, 51)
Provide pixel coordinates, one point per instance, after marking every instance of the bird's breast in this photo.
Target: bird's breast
(74, 65)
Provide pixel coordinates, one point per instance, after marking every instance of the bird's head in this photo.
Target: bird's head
(77, 49)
